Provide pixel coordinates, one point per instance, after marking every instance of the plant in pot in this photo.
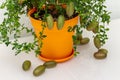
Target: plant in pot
(56, 30)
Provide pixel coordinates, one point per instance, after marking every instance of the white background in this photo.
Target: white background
(83, 67)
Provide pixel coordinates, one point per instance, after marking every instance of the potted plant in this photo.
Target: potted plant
(56, 26)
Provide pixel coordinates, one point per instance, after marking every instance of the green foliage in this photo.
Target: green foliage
(88, 10)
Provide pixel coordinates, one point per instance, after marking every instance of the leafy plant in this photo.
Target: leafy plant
(93, 17)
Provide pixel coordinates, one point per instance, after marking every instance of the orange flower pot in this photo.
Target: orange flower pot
(58, 45)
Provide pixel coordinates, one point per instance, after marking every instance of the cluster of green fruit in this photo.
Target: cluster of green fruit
(39, 69)
(101, 54)
(94, 27)
(61, 18)
(80, 40)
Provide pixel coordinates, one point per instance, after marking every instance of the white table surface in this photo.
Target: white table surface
(82, 67)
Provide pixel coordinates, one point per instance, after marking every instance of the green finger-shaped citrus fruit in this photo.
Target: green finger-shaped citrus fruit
(50, 21)
(100, 55)
(84, 41)
(97, 42)
(39, 70)
(60, 22)
(70, 9)
(26, 65)
(50, 64)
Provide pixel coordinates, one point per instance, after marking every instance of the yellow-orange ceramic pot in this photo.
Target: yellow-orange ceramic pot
(58, 45)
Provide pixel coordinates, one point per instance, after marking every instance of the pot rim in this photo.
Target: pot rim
(34, 9)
